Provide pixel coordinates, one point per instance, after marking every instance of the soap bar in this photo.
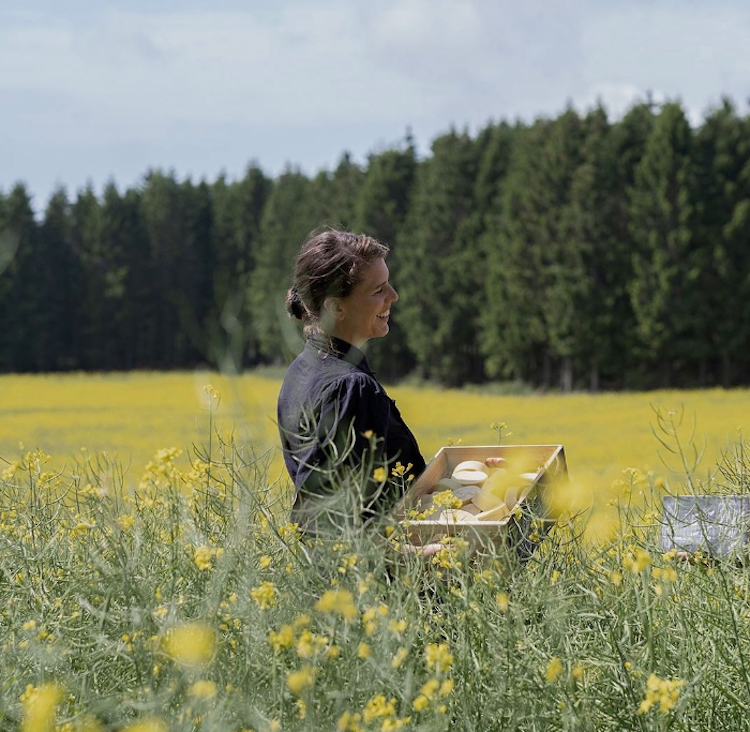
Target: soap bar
(446, 484)
(496, 514)
(455, 516)
(469, 465)
(486, 500)
(466, 492)
(470, 477)
(495, 462)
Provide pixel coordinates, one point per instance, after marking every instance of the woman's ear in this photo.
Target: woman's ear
(333, 309)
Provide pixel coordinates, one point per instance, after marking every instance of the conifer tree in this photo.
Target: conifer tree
(666, 263)
(288, 219)
(514, 337)
(723, 231)
(440, 274)
(380, 211)
(20, 298)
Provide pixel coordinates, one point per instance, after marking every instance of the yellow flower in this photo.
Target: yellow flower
(665, 692)
(665, 574)
(39, 707)
(615, 578)
(379, 475)
(349, 722)
(503, 601)
(446, 687)
(446, 499)
(337, 602)
(438, 657)
(192, 645)
(283, 639)
(126, 521)
(378, 706)
(420, 703)
(265, 561)
(397, 626)
(264, 595)
(399, 658)
(637, 562)
(203, 690)
(429, 688)
(364, 650)
(301, 709)
(148, 724)
(298, 681)
(204, 556)
(554, 669)
(29, 625)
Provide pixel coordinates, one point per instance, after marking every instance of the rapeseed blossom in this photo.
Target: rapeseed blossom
(264, 595)
(203, 690)
(664, 692)
(40, 707)
(438, 657)
(302, 679)
(637, 562)
(284, 638)
(337, 602)
(553, 670)
(204, 556)
(148, 724)
(192, 645)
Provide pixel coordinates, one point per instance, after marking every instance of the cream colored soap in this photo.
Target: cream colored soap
(446, 484)
(470, 477)
(486, 500)
(469, 465)
(455, 516)
(496, 514)
(531, 477)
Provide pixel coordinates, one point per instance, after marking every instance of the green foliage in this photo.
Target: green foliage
(576, 251)
(181, 598)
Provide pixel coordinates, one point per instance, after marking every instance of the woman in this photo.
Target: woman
(340, 431)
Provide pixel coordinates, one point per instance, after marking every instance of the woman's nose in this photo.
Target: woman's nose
(394, 294)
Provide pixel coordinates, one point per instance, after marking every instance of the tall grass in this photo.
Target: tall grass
(184, 601)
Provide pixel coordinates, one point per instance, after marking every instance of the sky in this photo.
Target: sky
(94, 90)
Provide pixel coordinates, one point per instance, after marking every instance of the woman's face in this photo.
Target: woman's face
(364, 313)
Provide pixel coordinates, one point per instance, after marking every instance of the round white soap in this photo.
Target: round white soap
(469, 465)
(470, 477)
(446, 484)
(455, 516)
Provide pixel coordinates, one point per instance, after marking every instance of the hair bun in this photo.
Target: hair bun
(294, 304)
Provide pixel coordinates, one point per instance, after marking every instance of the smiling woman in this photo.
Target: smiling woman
(333, 413)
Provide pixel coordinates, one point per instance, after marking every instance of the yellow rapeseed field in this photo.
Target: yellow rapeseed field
(132, 415)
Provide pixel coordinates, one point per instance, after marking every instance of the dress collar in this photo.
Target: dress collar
(341, 349)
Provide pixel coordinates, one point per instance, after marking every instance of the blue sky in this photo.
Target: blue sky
(93, 90)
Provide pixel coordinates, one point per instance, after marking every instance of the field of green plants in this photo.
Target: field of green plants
(178, 597)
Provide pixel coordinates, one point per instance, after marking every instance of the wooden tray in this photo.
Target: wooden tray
(548, 461)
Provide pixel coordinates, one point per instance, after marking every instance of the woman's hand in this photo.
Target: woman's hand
(425, 550)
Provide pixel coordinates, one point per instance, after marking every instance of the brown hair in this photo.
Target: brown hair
(329, 264)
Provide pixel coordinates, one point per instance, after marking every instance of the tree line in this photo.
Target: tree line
(574, 251)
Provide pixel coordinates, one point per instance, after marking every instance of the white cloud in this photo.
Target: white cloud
(201, 89)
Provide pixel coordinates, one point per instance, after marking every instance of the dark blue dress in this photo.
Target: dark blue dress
(338, 425)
